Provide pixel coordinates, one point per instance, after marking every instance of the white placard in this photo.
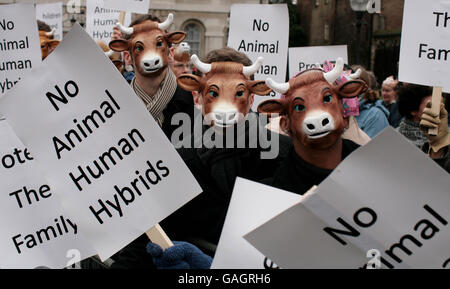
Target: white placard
(251, 204)
(262, 30)
(302, 58)
(425, 44)
(35, 230)
(388, 196)
(20, 48)
(100, 21)
(51, 13)
(102, 151)
(134, 6)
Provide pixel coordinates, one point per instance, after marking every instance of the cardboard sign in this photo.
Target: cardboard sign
(100, 21)
(303, 58)
(262, 30)
(34, 228)
(134, 6)
(251, 204)
(425, 44)
(19, 44)
(387, 200)
(99, 147)
(51, 13)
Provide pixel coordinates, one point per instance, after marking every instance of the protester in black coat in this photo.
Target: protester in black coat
(298, 176)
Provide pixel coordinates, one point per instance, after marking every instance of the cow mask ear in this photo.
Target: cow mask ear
(119, 45)
(259, 87)
(352, 88)
(189, 82)
(175, 37)
(273, 106)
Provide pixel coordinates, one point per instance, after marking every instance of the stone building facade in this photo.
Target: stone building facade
(332, 22)
(206, 22)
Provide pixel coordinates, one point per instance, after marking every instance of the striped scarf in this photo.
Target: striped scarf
(157, 103)
(412, 132)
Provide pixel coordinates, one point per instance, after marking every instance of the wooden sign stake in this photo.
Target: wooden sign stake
(435, 106)
(122, 17)
(157, 235)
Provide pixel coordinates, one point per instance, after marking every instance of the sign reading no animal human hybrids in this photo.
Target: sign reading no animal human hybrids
(262, 30)
(19, 44)
(105, 155)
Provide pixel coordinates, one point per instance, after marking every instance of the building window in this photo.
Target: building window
(326, 32)
(317, 3)
(194, 37)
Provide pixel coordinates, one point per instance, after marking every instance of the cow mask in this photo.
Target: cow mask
(148, 45)
(312, 109)
(225, 88)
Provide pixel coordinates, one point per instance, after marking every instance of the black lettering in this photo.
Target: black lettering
(82, 176)
(401, 246)
(367, 224)
(333, 232)
(97, 213)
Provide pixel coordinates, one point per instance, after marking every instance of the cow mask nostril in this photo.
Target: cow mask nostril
(219, 117)
(156, 62)
(325, 122)
(310, 126)
(231, 116)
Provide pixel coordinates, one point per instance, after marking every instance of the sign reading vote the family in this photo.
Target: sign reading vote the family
(51, 14)
(134, 6)
(303, 58)
(35, 230)
(384, 206)
(100, 21)
(98, 145)
(19, 44)
(262, 30)
(251, 204)
(425, 44)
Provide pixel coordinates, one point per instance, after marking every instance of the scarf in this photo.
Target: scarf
(412, 132)
(157, 103)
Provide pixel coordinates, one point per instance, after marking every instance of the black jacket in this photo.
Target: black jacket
(181, 102)
(297, 176)
(216, 171)
(443, 162)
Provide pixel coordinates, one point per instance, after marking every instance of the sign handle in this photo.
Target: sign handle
(435, 106)
(122, 17)
(157, 235)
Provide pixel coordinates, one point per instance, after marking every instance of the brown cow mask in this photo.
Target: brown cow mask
(48, 44)
(225, 88)
(148, 45)
(312, 108)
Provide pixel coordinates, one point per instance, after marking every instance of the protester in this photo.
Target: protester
(312, 114)
(48, 44)
(412, 99)
(200, 221)
(389, 95)
(154, 81)
(373, 116)
(223, 86)
(179, 59)
(438, 145)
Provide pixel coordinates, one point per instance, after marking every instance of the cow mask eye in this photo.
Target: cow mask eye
(327, 98)
(213, 94)
(240, 94)
(159, 44)
(300, 107)
(139, 48)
